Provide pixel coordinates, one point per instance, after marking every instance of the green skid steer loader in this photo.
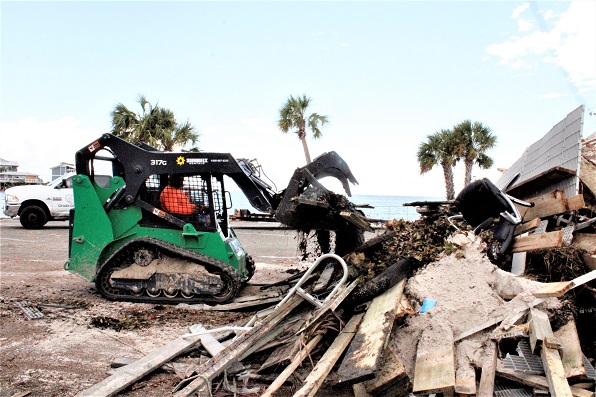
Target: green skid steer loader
(124, 239)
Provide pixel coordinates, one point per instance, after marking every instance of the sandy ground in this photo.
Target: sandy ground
(67, 350)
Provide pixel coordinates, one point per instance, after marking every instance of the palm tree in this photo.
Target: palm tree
(473, 141)
(293, 116)
(155, 125)
(439, 149)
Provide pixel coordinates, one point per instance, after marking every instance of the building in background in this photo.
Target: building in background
(10, 176)
(61, 169)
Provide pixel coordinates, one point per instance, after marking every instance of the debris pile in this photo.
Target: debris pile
(424, 311)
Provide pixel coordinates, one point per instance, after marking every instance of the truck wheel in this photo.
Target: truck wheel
(33, 217)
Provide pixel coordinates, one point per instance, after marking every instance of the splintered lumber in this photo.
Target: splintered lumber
(289, 370)
(554, 290)
(585, 241)
(555, 374)
(571, 353)
(538, 242)
(576, 202)
(391, 379)
(539, 328)
(548, 204)
(527, 227)
(222, 360)
(376, 241)
(317, 376)
(365, 351)
(127, 375)
(538, 381)
(434, 371)
(487, 378)
(357, 220)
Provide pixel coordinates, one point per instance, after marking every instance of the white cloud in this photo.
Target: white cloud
(519, 10)
(38, 145)
(570, 44)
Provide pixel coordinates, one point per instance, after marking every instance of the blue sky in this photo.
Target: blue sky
(386, 73)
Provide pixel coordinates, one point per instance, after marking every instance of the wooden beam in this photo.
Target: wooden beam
(129, 374)
(537, 381)
(576, 202)
(538, 242)
(548, 204)
(571, 352)
(585, 241)
(357, 220)
(317, 376)
(555, 374)
(539, 328)
(364, 354)
(434, 371)
(527, 227)
(487, 378)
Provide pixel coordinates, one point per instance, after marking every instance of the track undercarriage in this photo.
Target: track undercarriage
(153, 271)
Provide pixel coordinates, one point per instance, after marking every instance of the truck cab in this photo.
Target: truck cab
(35, 205)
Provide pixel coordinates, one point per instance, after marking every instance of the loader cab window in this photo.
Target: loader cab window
(195, 199)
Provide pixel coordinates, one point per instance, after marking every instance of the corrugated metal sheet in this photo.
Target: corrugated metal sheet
(538, 170)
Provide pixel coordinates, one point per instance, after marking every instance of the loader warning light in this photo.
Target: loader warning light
(180, 160)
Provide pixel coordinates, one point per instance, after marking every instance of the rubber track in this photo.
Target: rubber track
(124, 255)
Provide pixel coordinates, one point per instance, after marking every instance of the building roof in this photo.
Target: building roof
(8, 162)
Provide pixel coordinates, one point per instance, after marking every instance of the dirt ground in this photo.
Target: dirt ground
(71, 347)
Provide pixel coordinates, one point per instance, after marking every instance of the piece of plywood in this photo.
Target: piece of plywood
(365, 351)
(571, 351)
(317, 376)
(576, 202)
(434, 371)
(538, 242)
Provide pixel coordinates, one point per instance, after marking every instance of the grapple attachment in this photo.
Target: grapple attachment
(307, 204)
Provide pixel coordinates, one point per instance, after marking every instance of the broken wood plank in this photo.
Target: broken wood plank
(434, 371)
(538, 242)
(571, 352)
(312, 203)
(555, 374)
(537, 381)
(356, 220)
(489, 366)
(576, 202)
(585, 241)
(375, 241)
(317, 376)
(126, 376)
(324, 279)
(222, 360)
(548, 204)
(527, 227)
(289, 370)
(391, 379)
(364, 354)
(553, 290)
(539, 328)
(360, 391)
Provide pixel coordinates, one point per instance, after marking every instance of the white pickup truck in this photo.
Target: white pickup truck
(35, 205)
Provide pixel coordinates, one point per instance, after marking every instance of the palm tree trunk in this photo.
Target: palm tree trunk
(468, 169)
(449, 185)
(306, 152)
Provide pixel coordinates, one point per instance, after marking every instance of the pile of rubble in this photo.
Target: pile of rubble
(418, 309)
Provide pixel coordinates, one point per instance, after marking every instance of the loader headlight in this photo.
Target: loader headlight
(12, 199)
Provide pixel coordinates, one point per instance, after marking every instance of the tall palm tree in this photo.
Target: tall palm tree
(439, 149)
(473, 141)
(155, 125)
(293, 116)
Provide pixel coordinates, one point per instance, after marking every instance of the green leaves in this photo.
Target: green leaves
(156, 126)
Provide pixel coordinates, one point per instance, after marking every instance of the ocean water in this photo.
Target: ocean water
(385, 207)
